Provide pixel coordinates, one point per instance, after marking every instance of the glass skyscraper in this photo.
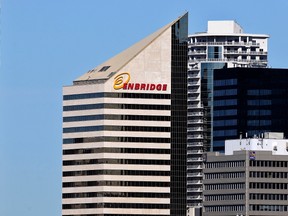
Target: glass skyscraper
(249, 102)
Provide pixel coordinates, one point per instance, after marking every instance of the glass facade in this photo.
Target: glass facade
(207, 92)
(179, 117)
(259, 106)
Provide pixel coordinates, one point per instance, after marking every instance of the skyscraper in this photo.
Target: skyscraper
(224, 45)
(125, 131)
(249, 102)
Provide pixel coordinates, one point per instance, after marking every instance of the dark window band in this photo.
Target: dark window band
(116, 172)
(116, 106)
(116, 117)
(114, 194)
(116, 139)
(116, 150)
(115, 95)
(114, 161)
(115, 205)
(116, 183)
(115, 128)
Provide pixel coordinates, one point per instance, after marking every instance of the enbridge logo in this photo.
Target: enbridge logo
(121, 81)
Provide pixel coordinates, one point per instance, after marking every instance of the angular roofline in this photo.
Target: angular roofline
(107, 69)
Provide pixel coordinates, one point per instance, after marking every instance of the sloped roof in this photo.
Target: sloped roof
(113, 65)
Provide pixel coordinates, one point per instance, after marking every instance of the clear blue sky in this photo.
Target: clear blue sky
(46, 44)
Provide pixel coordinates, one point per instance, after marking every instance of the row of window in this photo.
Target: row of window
(116, 150)
(115, 194)
(116, 183)
(259, 112)
(115, 205)
(115, 128)
(225, 208)
(225, 164)
(116, 117)
(225, 92)
(232, 186)
(261, 163)
(115, 161)
(262, 185)
(282, 208)
(256, 92)
(116, 172)
(116, 139)
(220, 133)
(228, 112)
(224, 197)
(258, 102)
(259, 122)
(224, 175)
(227, 102)
(116, 106)
(115, 95)
(256, 196)
(266, 174)
(225, 82)
(227, 122)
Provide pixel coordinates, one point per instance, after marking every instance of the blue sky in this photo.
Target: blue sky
(46, 44)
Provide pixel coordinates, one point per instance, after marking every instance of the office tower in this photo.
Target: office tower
(224, 45)
(249, 102)
(250, 179)
(125, 131)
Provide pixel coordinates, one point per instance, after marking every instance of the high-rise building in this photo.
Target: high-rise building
(224, 45)
(125, 131)
(250, 179)
(248, 102)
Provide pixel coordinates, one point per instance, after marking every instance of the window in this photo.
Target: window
(104, 68)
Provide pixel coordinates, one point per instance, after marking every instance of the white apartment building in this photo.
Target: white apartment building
(223, 45)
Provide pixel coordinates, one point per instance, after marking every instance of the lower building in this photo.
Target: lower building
(250, 179)
(125, 131)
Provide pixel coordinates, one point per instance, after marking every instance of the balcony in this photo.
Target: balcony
(202, 52)
(225, 43)
(198, 182)
(195, 144)
(194, 75)
(195, 113)
(196, 121)
(194, 189)
(194, 90)
(196, 129)
(197, 159)
(194, 167)
(195, 152)
(193, 98)
(195, 174)
(193, 83)
(195, 197)
(195, 136)
(244, 52)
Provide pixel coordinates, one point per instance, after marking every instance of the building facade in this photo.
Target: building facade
(125, 131)
(248, 102)
(250, 179)
(224, 45)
